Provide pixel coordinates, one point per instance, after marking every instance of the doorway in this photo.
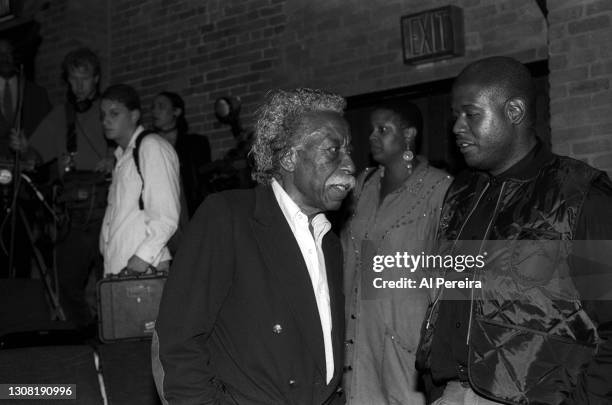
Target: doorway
(434, 101)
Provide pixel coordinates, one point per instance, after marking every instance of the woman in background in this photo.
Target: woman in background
(193, 150)
(396, 209)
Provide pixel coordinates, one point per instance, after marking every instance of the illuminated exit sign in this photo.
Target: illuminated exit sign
(432, 34)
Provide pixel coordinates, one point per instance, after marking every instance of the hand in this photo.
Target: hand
(17, 140)
(136, 264)
(105, 165)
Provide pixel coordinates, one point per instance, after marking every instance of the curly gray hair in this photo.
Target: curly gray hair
(278, 121)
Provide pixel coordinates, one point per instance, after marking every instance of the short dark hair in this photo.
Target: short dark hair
(409, 115)
(124, 94)
(80, 58)
(506, 77)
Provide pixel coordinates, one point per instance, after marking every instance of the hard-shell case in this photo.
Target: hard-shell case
(128, 306)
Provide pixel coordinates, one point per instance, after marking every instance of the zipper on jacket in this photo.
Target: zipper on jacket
(439, 295)
(501, 193)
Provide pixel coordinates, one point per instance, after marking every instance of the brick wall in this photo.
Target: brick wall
(207, 49)
(580, 50)
(66, 25)
(355, 47)
(202, 50)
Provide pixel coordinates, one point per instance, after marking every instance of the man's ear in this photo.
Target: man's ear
(410, 134)
(516, 110)
(289, 159)
(135, 116)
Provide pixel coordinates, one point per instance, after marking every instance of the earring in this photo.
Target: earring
(407, 156)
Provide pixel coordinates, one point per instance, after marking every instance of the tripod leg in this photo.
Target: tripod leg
(42, 268)
(17, 181)
(11, 268)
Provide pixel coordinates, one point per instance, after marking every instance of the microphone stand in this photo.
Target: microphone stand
(44, 272)
(16, 174)
(40, 196)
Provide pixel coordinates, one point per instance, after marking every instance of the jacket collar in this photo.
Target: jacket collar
(529, 166)
(525, 169)
(285, 262)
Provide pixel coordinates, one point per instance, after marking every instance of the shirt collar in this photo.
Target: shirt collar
(294, 216)
(529, 166)
(119, 150)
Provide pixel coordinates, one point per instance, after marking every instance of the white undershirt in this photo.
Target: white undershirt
(315, 262)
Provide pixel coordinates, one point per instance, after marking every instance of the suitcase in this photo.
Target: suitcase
(128, 305)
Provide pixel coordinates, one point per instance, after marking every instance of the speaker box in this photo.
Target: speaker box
(49, 333)
(22, 305)
(53, 365)
(25, 318)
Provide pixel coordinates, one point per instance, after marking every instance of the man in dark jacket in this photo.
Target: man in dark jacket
(72, 136)
(252, 312)
(539, 330)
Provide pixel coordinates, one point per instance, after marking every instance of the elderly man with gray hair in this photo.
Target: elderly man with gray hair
(252, 312)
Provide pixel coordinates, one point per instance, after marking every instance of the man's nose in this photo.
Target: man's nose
(459, 125)
(348, 166)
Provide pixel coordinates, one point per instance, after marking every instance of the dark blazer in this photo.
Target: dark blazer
(194, 153)
(35, 107)
(238, 322)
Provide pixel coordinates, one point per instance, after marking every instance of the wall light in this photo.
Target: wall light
(227, 111)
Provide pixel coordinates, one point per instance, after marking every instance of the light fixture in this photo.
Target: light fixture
(5, 177)
(227, 111)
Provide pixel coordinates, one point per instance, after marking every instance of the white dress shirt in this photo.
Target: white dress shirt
(126, 229)
(315, 262)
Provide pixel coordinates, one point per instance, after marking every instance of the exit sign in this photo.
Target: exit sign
(433, 34)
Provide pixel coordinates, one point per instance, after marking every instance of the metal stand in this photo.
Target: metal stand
(13, 210)
(16, 174)
(43, 270)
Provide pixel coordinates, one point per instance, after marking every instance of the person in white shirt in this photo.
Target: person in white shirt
(252, 311)
(143, 208)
